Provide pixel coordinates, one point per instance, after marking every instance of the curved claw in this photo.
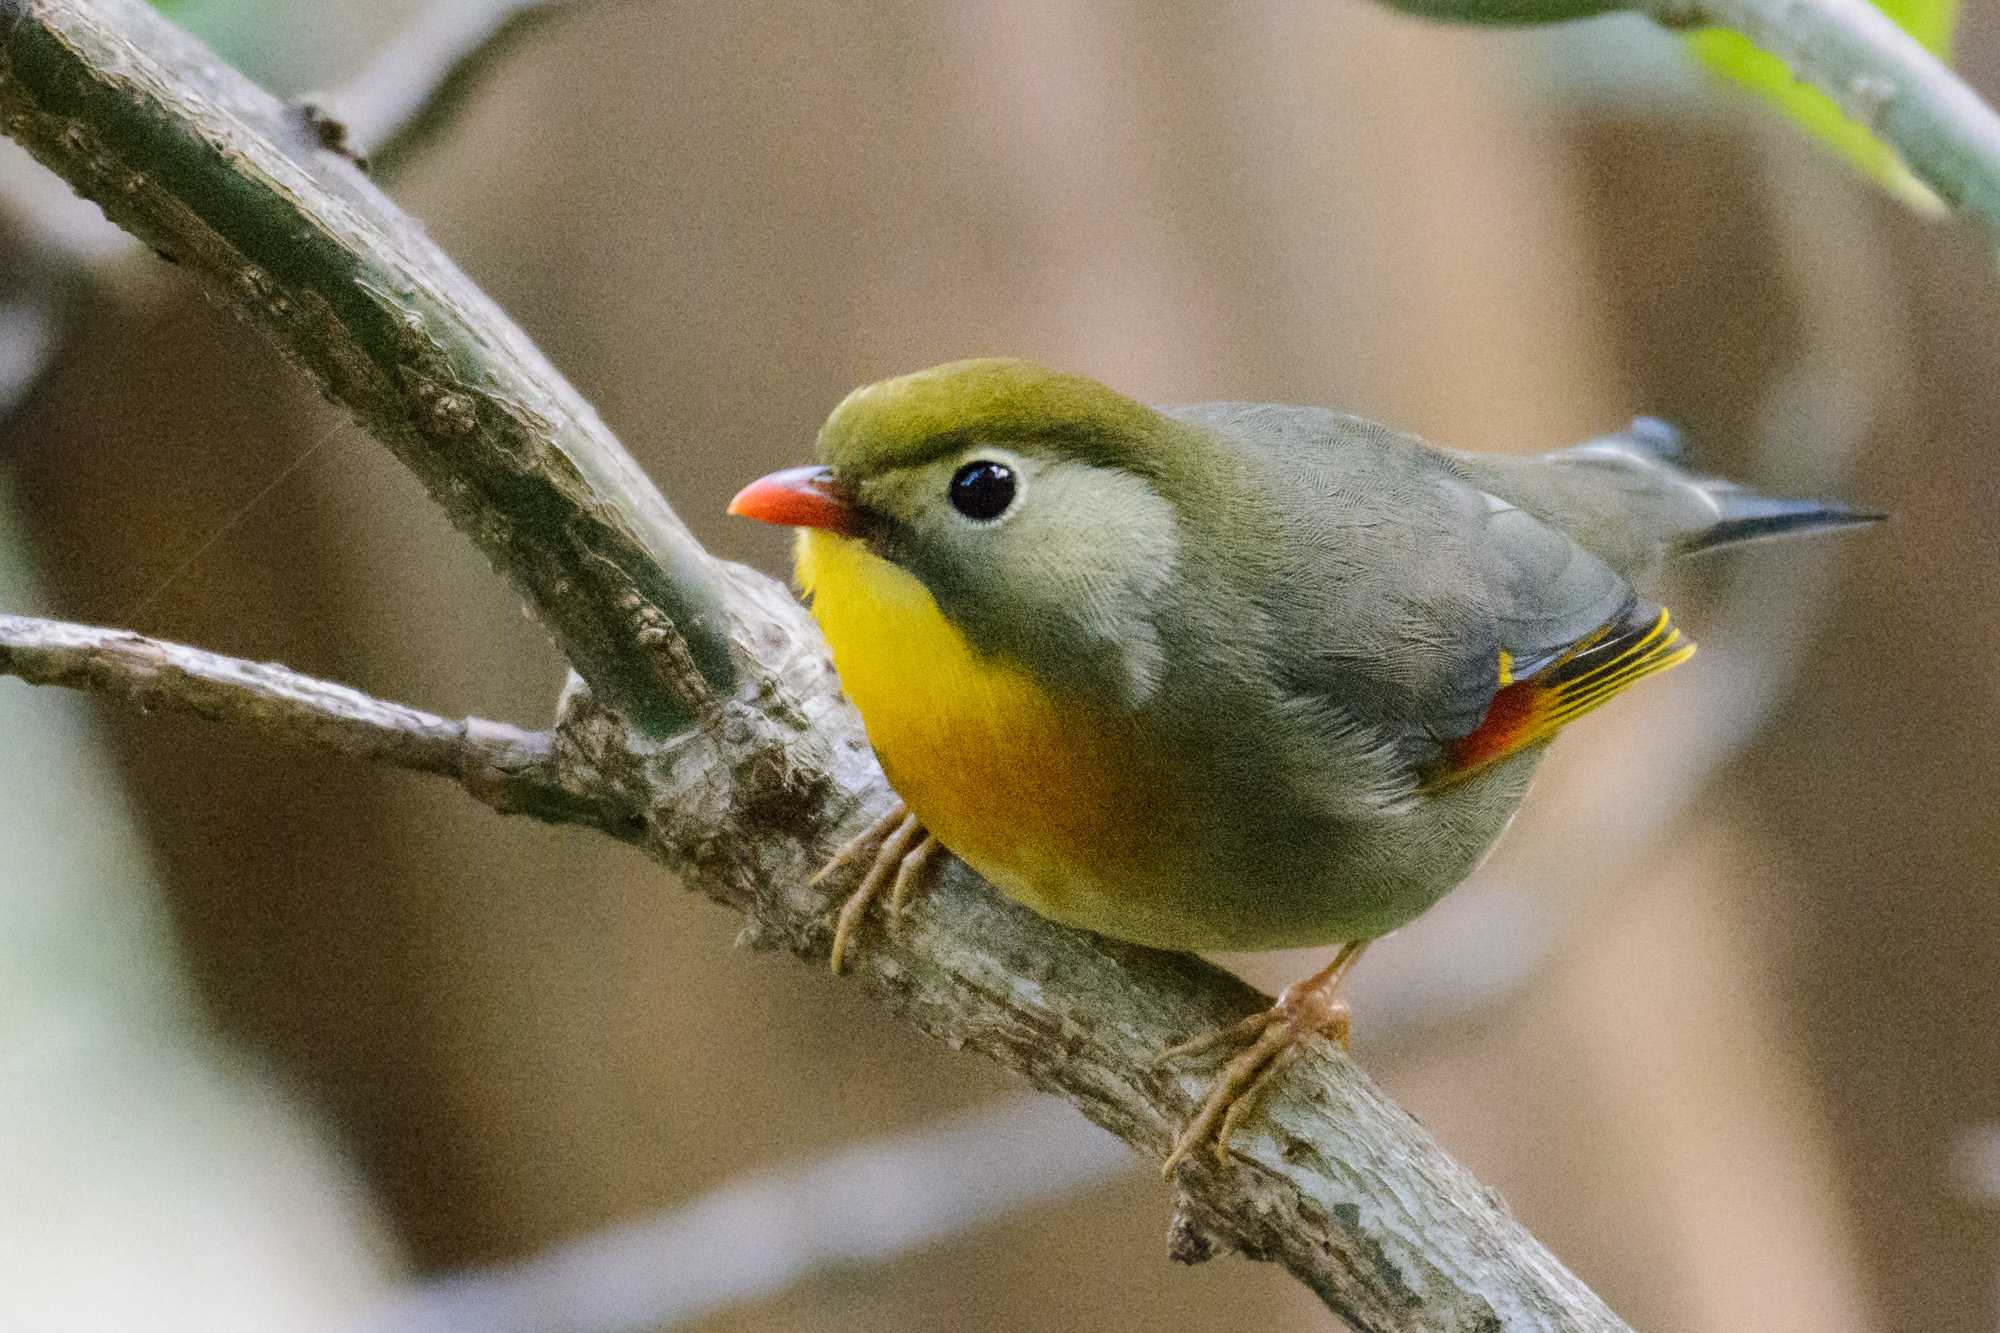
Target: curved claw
(1275, 1040)
(899, 852)
(1235, 1034)
(1239, 1110)
(909, 877)
(866, 843)
(887, 856)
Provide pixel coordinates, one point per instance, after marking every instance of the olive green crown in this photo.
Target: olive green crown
(915, 418)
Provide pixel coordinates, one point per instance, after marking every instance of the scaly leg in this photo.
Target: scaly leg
(1272, 1040)
(898, 852)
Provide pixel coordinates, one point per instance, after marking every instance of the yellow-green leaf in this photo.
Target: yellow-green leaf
(1929, 21)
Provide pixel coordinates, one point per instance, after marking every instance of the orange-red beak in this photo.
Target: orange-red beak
(799, 497)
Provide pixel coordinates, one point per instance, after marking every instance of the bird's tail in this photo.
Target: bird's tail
(1630, 499)
(1744, 515)
(1646, 464)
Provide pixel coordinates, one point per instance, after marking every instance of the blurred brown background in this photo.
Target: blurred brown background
(1736, 1057)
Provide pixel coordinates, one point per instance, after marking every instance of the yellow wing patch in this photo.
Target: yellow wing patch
(1641, 643)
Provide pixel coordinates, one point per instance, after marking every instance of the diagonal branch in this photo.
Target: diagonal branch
(1882, 77)
(512, 770)
(206, 168)
(1332, 1180)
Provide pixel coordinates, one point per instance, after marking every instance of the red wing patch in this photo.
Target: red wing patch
(1642, 642)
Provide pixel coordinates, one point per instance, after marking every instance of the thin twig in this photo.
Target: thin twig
(512, 770)
(420, 81)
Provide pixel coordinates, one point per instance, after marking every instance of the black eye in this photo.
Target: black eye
(982, 490)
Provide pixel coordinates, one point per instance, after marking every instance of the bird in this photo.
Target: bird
(1227, 676)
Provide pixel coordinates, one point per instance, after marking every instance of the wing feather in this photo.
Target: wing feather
(1642, 641)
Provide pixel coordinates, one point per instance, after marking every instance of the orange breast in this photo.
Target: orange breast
(1041, 795)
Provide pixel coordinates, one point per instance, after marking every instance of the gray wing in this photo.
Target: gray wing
(1406, 582)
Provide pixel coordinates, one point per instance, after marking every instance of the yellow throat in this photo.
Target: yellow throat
(1032, 790)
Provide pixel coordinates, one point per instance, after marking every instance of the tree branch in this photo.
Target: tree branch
(1882, 77)
(1331, 1178)
(512, 770)
(211, 171)
(1874, 71)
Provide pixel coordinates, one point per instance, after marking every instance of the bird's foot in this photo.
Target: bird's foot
(1271, 1042)
(898, 852)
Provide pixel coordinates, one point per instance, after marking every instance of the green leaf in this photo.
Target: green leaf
(1732, 55)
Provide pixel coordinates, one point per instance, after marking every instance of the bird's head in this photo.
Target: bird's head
(1031, 504)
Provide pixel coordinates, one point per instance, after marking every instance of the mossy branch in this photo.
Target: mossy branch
(704, 700)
